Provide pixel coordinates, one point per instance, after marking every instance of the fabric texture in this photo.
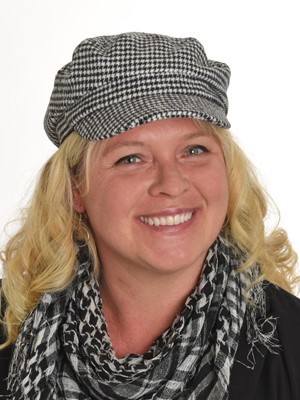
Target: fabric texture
(275, 376)
(64, 352)
(115, 83)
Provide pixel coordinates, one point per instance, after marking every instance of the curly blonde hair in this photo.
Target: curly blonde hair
(246, 214)
(41, 256)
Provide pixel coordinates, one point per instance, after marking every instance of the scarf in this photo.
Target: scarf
(63, 350)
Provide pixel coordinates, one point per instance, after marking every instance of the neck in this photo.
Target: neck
(139, 307)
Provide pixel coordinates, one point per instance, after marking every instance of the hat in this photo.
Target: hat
(115, 83)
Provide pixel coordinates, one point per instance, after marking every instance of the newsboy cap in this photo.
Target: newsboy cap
(115, 83)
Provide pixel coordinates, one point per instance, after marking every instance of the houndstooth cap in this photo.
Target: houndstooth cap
(115, 83)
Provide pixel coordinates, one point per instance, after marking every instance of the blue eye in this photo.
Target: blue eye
(130, 159)
(195, 150)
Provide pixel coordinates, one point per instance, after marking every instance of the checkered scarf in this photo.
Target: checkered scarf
(63, 350)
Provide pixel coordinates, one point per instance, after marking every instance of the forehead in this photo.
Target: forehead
(161, 132)
(167, 128)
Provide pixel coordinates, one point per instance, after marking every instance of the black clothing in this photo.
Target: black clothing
(5, 356)
(274, 377)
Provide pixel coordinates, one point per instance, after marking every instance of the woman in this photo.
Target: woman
(142, 269)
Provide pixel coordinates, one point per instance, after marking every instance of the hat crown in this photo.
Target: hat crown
(137, 68)
(123, 55)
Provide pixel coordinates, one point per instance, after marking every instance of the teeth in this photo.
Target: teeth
(170, 220)
(156, 222)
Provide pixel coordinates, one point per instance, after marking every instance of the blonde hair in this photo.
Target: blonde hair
(41, 256)
(246, 214)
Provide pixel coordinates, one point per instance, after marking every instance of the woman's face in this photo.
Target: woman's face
(158, 197)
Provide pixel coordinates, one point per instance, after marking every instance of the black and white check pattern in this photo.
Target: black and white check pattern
(63, 351)
(115, 83)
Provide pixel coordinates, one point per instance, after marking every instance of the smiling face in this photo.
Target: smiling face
(158, 197)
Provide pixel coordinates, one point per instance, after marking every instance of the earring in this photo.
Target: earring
(79, 232)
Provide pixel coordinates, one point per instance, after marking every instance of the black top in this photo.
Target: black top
(274, 377)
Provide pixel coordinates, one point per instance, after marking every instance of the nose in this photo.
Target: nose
(169, 180)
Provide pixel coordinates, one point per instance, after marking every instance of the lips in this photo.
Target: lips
(169, 220)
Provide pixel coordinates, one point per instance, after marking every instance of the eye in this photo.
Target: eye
(130, 159)
(195, 150)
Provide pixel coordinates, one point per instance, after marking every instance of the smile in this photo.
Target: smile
(169, 220)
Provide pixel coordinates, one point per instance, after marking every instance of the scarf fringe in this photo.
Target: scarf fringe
(261, 330)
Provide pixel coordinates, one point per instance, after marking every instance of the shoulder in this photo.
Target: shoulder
(5, 357)
(285, 307)
(5, 354)
(281, 303)
(275, 374)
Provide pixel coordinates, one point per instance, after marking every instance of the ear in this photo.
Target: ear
(78, 203)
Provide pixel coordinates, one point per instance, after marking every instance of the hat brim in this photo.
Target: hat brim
(120, 117)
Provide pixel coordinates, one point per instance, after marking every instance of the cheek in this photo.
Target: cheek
(215, 187)
(97, 198)
(111, 197)
(220, 187)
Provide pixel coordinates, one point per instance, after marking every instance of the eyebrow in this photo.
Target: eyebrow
(115, 146)
(108, 149)
(195, 135)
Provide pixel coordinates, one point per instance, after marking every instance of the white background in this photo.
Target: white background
(259, 39)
